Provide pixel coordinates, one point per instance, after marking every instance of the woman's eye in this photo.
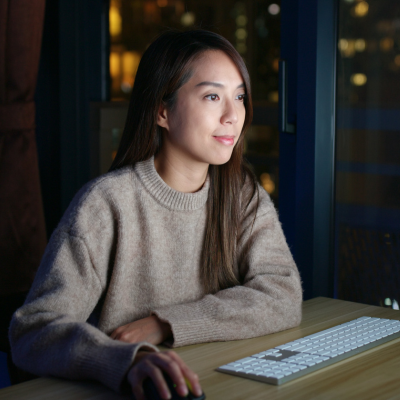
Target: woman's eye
(212, 97)
(241, 97)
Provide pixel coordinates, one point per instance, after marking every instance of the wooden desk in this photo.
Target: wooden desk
(374, 374)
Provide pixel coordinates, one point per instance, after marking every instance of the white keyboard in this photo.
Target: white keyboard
(310, 353)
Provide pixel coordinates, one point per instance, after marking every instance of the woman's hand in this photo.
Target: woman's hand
(150, 329)
(153, 365)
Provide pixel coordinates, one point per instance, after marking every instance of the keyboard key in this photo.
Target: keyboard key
(266, 374)
(298, 347)
(229, 368)
(310, 363)
(284, 347)
(246, 360)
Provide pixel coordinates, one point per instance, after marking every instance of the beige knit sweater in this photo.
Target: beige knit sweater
(128, 246)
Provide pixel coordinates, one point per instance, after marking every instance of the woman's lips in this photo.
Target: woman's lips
(226, 140)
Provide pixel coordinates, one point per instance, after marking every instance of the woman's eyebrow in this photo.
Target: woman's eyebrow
(216, 84)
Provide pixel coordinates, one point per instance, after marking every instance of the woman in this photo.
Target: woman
(177, 244)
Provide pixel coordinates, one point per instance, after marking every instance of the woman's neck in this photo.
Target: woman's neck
(179, 174)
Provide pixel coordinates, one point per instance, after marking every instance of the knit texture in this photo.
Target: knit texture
(130, 246)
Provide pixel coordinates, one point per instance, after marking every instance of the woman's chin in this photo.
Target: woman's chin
(221, 159)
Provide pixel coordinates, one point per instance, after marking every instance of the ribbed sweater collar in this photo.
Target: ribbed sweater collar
(164, 194)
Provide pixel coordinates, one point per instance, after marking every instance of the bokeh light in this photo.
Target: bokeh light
(274, 9)
(358, 79)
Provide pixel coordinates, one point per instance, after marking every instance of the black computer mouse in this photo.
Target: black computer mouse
(151, 392)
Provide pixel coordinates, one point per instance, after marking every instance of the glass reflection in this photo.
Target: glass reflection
(367, 220)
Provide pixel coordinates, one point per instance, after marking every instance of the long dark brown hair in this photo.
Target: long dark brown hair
(164, 68)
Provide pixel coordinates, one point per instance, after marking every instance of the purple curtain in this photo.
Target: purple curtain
(22, 227)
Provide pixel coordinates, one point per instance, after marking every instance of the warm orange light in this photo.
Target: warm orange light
(347, 47)
(179, 7)
(162, 3)
(343, 44)
(130, 63)
(360, 45)
(115, 20)
(115, 65)
(267, 183)
(358, 79)
(151, 12)
(275, 65)
(361, 9)
(273, 96)
(386, 44)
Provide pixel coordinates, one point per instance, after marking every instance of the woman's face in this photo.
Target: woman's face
(208, 116)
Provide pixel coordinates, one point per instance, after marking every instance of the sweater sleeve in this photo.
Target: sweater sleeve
(50, 335)
(269, 299)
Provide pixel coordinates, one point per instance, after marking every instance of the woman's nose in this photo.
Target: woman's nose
(230, 114)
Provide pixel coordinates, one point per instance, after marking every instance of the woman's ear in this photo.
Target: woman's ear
(162, 117)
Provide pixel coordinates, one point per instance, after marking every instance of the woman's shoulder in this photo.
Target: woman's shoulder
(112, 182)
(108, 187)
(99, 201)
